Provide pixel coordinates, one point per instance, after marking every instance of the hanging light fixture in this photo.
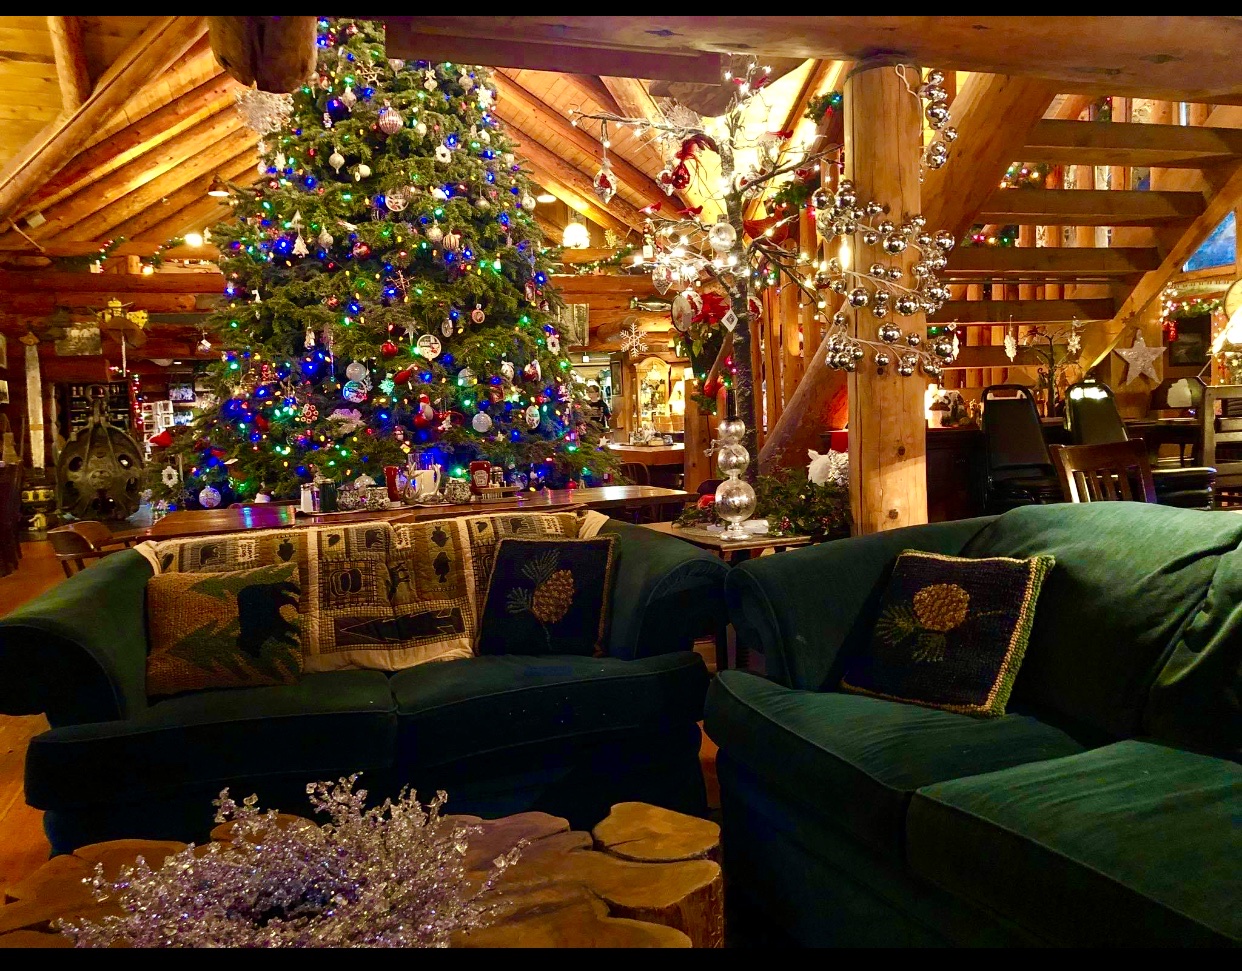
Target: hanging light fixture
(218, 188)
(576, 236)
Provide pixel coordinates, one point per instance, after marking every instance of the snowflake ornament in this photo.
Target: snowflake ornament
(169, 476)
(1011, 346)
(632, 340)
(444, 154)
(262, 110)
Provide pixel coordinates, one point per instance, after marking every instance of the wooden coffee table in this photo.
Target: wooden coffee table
(644, 877)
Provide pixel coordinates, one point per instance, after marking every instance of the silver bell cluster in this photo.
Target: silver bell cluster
(883, 288)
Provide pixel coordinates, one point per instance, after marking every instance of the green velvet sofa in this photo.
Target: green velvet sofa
(500, 734)
(1105, 808)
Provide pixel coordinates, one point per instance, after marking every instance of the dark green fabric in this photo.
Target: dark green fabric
(78, 651)
(1197, 698)
(1128, 577)
(1130, 845)
(808, 610)
(450, 710)
(550, 595)
(665, 592)
(326, 724)
(857, 760)
(952, 632)
(790, 870)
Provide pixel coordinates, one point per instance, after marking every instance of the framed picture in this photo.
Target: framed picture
(4, 352)
(4, 392)
(573, 321)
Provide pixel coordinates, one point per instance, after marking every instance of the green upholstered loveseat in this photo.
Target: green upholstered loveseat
(500, 734)
(1104, 809)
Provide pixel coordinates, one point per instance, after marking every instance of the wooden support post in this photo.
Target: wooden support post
(1053, 234)
(790, 345)
(774, 308)
(888, 473)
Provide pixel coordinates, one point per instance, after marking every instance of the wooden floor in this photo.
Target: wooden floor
(23, 847)
(22, 843)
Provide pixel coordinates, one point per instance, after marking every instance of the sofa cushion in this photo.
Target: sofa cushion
(1128, 577)
(223, 630)
(858, 760)
(1130, 845)
(951, 633)
(324, 726)
(484, 705)
(549, 595)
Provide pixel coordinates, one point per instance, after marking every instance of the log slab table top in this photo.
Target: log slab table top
(644, 877)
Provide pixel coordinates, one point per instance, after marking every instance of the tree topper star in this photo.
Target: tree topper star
(1140, 359)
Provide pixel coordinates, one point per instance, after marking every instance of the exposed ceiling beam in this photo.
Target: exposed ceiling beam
(420, 38)
(968, 312)
(1089, 207)
(1164, 146)
(273, 53)
(556, 175)
(1047, 262)
(142, 136)
(1172, 58)
(207, 135)
(71, 69)
(189, 207)
(121, 283)
(559, 131)
(165, 40)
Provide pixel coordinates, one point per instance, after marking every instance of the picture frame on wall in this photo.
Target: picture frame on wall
(4, 392)
(4, 352)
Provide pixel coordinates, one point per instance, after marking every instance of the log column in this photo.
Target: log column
(888, 475)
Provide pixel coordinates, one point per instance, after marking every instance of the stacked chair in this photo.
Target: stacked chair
(1018, 468)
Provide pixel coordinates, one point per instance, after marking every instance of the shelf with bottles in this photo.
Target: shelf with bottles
(76, 405)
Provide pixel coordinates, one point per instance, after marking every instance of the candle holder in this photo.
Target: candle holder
(735, 497)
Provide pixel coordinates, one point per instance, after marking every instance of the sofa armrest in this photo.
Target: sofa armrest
(808, 609)
(79, 651)
(665, 592)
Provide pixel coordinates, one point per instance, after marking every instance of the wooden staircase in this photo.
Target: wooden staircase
(1055, 281)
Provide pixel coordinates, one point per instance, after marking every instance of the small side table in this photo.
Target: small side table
(732, 552)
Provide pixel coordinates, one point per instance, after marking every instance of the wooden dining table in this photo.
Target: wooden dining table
(209, 522)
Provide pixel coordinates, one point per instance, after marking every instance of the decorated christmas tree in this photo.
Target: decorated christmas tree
(386, 293)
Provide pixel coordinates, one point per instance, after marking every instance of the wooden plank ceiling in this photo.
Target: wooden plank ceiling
(113, 127)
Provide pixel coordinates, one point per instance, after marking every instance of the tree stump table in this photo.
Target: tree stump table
(644, 877)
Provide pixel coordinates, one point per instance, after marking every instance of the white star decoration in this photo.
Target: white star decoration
(1140, 359)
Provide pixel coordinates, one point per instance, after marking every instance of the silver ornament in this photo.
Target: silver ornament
(894, 273)
(870, 237)
(858, 297)
(944, 239)
(840, 320)
(324, 239)
(894, 244)
(336, 160)
(889, 333)
(948, 133)
(906, 305)
(882, 360)
(821, 198)
(874, 208)
(885, 227)
(943, 349)
(881, 297)
(913, 339)
(937, 115)
(905, 368)
(857, 353)
(390, 121)
(880, 311)
(878, 270)
(348, 98)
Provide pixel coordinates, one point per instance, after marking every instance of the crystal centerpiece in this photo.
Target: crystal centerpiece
(735, 497)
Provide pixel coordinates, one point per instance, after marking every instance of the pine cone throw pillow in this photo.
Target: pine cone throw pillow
(952, 632)
(548, 596)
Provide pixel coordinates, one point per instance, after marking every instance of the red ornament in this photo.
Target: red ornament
(388, 349)
(362, 249)
(424, 415)
(707, 502)
(403, 375)
(261, 423)
(163, 439)
(713, 306)
(332, 300)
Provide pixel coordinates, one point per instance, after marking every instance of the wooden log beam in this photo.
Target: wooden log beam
(144, 135)
(107, 283)
(419, 38)
(888, 476)
(993, 114)
(100, 222)
(44, 304)
(984, 262)
(70, 54)
(572, 286)
(165, 40)
(1163, 146)
(967, 312)
(275, 54)
(159, 222)
(557, 130)
(1182, 58)
(573, 186)
(208, 135)
(1080, 207)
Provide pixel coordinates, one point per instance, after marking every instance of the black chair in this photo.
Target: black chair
(1092, 418)
(1018, 469)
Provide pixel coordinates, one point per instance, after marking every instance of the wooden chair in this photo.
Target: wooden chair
(1100, 473)
(636, 472)
(1222, 439)
(77, 542)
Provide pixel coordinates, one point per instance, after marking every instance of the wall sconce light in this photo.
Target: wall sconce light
(576, 236)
